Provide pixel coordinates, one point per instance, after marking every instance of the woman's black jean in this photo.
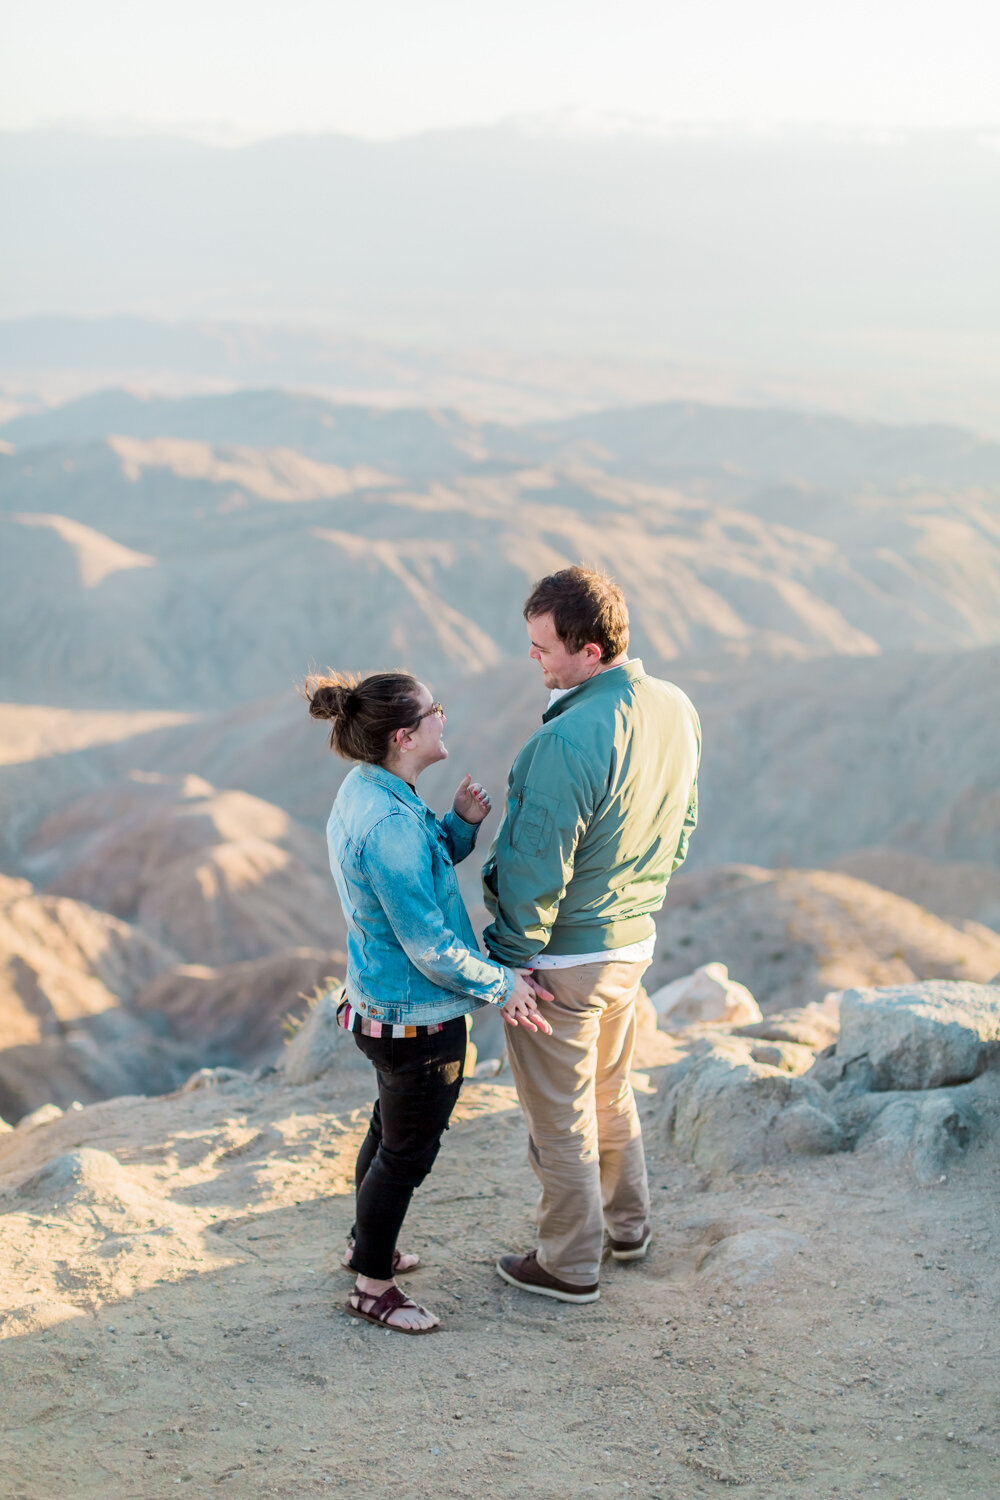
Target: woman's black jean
(419, 1079)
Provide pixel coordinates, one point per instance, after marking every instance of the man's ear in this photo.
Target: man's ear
(594, 652)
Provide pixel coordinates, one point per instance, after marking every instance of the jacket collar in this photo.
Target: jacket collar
(594, 686)
(394, 784)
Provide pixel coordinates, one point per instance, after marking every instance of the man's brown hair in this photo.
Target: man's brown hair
(585, 606)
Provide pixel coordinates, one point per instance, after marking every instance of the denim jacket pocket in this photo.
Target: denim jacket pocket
(445, 877)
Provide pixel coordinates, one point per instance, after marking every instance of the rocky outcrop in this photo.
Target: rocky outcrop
(925, 1132)
(912, 1078)
(729, 1113)
(706, 995)
(816, 1025)
(911, 1083)
(919, 1036)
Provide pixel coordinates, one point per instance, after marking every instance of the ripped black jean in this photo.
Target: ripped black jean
(419, 1079)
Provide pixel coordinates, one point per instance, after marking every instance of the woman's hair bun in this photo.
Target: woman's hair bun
(366, 711)
(332, 700)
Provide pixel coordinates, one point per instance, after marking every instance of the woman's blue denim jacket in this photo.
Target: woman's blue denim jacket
(411, 952)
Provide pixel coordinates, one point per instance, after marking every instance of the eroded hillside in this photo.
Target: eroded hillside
(826, 591)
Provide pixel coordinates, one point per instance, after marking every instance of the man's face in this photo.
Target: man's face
(561, 668)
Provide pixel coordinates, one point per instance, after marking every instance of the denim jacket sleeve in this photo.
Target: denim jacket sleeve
(549, 807)
(396, 859)
(460, 835)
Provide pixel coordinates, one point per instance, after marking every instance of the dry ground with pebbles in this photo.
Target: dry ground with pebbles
(173, 1320)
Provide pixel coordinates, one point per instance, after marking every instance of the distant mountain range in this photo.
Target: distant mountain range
(827, 591)
(668, 441)
(258, 533)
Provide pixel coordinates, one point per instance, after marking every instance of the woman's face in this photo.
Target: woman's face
(425, 743)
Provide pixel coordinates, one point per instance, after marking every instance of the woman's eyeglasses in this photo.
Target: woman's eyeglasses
(435, 708)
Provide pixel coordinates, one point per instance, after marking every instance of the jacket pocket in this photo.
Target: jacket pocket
(534, 822)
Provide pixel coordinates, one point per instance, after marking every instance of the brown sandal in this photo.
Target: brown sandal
(383, 1307)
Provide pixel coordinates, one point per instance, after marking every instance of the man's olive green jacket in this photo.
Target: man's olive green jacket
(601, 802)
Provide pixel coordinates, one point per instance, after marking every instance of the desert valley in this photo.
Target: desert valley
(178, 1117)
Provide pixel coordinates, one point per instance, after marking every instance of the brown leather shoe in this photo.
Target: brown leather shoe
(632, 1249)
(524, 1271)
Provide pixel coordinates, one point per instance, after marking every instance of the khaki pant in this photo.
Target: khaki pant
(585, 1140)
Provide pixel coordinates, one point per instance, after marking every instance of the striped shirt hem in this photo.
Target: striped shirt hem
(352, 1020)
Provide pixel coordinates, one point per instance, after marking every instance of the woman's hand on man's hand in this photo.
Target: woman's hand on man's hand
(521, 1008)
(472, 802)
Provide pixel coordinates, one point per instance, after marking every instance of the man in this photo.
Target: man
(601, 801)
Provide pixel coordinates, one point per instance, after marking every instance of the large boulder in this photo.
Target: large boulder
(707, 995)
(910, 1079)
(815, 1025)
(729, 1113)
(925, 1131)
(922, 1131)
(909, 1085)
(921, 1036)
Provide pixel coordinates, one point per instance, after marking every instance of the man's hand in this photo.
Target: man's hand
(521, 1009)
(472, 802)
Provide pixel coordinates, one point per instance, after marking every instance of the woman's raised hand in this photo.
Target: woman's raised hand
(472, 801)
(521, 1008)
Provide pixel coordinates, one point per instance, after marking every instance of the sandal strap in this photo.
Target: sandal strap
(384, 1306)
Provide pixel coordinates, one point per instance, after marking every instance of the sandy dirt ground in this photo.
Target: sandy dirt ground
(172, 1319)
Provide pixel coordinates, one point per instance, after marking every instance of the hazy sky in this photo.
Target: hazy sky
(390, 67)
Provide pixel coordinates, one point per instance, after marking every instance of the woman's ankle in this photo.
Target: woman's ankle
(371, 1286)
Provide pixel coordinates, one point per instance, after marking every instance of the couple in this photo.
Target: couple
(601, 801)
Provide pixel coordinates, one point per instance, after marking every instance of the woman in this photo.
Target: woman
(413, 969)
